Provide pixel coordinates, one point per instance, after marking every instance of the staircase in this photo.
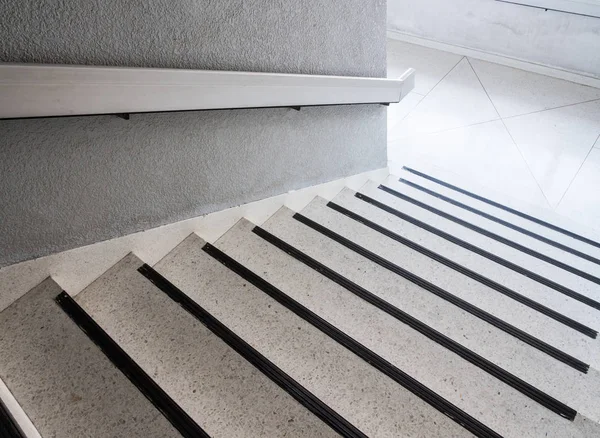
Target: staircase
(413, 308)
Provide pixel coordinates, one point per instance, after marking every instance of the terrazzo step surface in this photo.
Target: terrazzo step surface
(63, 381)
(553, 273)
(505, 276)
(523, 317)
(226, 395)
(504, 215)
(578, 390)
(370, 400)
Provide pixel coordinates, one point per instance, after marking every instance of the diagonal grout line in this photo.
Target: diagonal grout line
(511, 137)
(448, 129)
(578, 170)
(550, 109)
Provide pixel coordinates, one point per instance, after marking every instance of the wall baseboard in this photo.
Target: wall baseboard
(75, 269)
(497, 59)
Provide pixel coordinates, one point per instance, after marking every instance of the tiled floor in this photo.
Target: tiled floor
(529, 136)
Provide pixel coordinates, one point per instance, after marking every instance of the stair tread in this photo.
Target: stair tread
(367, 398)
(476, 293)
(64, 382)
(554, 273)
(226, 395)
(502, 214)
(533, 366)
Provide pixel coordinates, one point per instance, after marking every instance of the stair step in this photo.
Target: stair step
(520, 218)
(64, 382)
(549, 375)
(367, 398)
(480, 260)
(222, 392)
(478, 294)
(553, 273)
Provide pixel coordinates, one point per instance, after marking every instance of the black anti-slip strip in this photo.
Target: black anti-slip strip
(501, 222)
(471, 424)
(469, 273)
(468, 307)
(505, 208)
(8, 426)
(264, 365)
(147, 386)
(488, 255)
(494, 236)
(494, 370)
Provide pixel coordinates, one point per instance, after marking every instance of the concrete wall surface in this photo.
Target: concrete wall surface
(67, 182)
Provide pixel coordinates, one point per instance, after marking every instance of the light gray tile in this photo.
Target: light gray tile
(484, 154)
(555, 143)
(458, 100)
(65, 384)
(367, 398)
(515, 92)
(218, 388)
(582, 201)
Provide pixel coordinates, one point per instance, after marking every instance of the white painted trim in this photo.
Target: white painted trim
(59, 90)
(17, 412)
(590, 8)
(498, 59)
(73, 270)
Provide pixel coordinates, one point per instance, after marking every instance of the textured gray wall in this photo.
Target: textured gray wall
(67, 182)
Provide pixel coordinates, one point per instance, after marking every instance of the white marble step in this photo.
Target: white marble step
(226, 395)
(63, 381)
(531, 263)
(505, 276)
(503, 214)
(525, 318)
(371, 401)
(579, 390)
(529, 242)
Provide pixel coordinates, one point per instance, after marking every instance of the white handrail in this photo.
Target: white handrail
(30, 90)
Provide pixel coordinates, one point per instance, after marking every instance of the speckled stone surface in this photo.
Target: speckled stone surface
(506, 216)
(493, 344)
(65, 384)
(219, 389)
(505, 308)
(515, 236)
(370, 400)
(534, 264)
(507, 411)
(507, 277)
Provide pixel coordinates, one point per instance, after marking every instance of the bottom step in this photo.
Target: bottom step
(64, 383)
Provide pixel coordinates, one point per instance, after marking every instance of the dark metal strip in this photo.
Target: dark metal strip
(505, 208)
(264, 365)
(488, 255)
(468, 307)
(147, 386)
(557, 316)
(502, 222)
(471, 424)
(504, 376)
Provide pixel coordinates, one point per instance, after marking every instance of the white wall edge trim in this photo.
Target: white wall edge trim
(75, 269)
(498, 59)
(17, 412)
(36, 90)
